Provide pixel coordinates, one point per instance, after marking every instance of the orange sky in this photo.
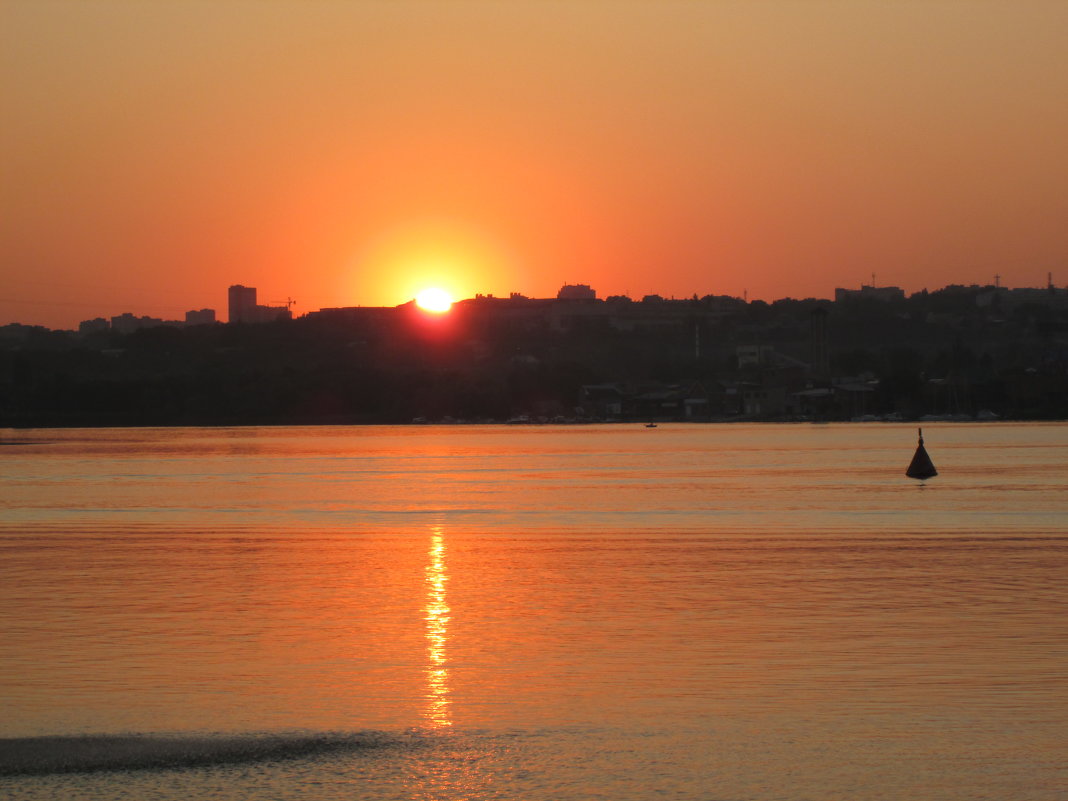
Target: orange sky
(349, 153)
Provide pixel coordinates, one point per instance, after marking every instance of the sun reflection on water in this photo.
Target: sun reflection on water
(437, 634)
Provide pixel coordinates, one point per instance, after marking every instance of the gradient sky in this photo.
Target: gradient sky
(352, 153)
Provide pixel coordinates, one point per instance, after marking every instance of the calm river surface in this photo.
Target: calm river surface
(733, 612)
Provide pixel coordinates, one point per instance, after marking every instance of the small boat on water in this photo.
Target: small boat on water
(921, 466)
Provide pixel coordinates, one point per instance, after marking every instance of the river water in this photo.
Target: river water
(734, 612)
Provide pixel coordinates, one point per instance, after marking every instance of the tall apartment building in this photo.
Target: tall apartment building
(242, 304)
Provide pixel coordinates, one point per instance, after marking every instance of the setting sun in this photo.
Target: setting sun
(434, 300)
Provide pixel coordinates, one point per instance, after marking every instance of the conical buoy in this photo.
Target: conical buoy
(921, 465)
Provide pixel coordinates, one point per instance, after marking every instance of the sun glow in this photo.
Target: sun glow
(434, 299)
(404, 259)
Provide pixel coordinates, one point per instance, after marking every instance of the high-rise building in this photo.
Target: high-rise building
(242, 304)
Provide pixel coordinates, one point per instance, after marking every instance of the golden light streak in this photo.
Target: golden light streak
(437, 634)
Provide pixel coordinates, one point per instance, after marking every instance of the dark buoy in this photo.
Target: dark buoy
(921, 465)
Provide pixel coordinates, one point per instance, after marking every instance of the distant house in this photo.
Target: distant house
(90, 326)
(127, 323)
(576, 292)
(817, 402)
(883, 293)
(200, 317)
(602, 400)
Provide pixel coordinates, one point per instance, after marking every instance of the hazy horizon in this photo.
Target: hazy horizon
(221, 309)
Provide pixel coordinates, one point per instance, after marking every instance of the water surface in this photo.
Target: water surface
(698, 612)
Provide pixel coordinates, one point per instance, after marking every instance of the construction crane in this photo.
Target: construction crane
(289, 303)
